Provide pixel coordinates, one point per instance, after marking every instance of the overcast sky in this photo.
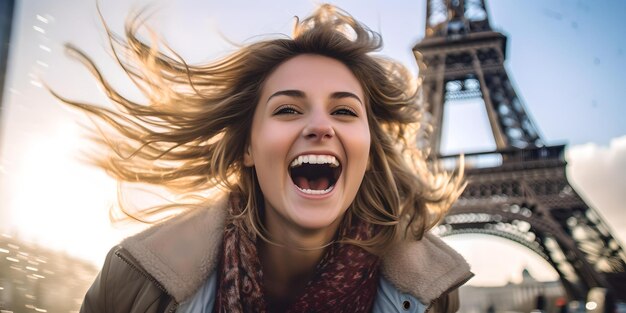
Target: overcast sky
(567, 60)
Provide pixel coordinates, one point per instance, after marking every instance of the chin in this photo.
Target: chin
(319, 223)
(314, 219)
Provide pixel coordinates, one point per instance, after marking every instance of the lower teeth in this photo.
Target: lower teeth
(316, 192)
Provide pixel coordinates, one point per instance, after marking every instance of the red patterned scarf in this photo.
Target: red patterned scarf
(345, 280)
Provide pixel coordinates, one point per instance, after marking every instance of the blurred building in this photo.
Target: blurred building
(526, 296)
(6, 23)
(37, 279)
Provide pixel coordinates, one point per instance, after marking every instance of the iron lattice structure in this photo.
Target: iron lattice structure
(519, 191)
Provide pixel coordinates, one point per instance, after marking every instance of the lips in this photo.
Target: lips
(315, 174)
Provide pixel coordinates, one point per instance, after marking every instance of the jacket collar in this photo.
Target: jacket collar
(425, 269)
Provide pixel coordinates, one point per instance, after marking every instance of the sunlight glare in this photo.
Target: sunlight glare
(70, 208)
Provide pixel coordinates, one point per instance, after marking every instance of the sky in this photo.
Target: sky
(567, 60)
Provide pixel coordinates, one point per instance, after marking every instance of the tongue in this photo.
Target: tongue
(314, 184)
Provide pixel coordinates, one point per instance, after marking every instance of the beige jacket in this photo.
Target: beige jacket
(165, 265)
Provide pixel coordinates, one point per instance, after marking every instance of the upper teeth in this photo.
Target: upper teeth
(315, 159)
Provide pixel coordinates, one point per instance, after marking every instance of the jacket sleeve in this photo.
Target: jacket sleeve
(95, 298)
(120, 288)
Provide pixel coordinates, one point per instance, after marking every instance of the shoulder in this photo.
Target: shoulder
(390, 299)
(180, 253)
(175, 256)
(120, 287)
(427, 270)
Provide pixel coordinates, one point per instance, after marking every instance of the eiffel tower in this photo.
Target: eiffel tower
(519, 191)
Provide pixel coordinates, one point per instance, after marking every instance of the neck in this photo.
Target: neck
(286, 272)
(290, 260)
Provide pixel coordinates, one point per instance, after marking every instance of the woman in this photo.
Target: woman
(325, 200)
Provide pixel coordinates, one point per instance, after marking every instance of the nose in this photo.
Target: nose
(319, 127)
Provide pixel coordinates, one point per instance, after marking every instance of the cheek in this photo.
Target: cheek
(270, 143)
(364, 151)
(358, 142)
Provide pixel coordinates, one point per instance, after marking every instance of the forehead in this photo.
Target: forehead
(312, 74)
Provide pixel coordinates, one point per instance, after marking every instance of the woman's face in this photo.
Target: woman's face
(309, 143)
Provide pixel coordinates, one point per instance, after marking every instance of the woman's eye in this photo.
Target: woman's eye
(344, 111)
(286, 110)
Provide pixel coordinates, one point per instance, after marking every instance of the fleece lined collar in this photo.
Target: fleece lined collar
(182, 252)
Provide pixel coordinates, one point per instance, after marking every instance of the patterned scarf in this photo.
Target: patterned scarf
(345, 280)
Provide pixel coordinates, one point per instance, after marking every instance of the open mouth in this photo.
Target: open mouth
(315, 174)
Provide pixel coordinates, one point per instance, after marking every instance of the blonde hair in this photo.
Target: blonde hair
(191, 134)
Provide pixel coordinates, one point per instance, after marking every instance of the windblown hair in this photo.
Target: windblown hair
(191, 134)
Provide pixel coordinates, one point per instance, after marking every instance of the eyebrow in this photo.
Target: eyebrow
(345, 94)
(300, 94)
(291, 93)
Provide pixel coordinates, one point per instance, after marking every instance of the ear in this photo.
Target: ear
(248, 160)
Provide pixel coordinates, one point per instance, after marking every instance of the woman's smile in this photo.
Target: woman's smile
(315, 174)
(309, 143)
